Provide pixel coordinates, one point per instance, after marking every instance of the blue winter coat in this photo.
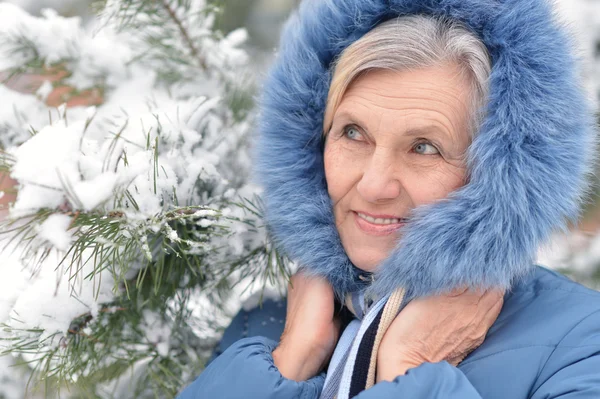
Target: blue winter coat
(545, 344)
(527, 168)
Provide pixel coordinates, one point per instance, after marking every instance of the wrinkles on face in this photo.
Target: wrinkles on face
(397, 141)
(424, 97)
(391, 118)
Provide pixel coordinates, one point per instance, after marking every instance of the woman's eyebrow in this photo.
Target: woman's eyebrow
(428, 129)
(349, 116)
(353, 117)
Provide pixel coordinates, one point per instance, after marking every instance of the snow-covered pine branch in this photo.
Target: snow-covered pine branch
(135, 233)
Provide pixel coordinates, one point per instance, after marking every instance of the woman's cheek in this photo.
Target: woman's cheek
(450, 178)
(338, 169)
(427, 185)
(334, 165)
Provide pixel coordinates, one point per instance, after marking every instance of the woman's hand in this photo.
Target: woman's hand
(311, 332)
(432, 329)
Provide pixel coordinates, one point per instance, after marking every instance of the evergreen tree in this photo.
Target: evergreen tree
(135, 233)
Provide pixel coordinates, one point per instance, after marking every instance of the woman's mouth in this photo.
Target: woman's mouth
(378, 225)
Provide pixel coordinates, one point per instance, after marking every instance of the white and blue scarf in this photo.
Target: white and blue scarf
(352, 368)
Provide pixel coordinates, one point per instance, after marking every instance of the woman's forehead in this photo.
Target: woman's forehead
(444, 83)
(424, 99)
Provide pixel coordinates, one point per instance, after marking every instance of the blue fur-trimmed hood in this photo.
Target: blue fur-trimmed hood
(527, 165)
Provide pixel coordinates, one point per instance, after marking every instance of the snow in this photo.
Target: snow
(19, 113)
(14, 279)
(575, 253)
(44, 91)
(60, 39)
(12, 379)
(205, 223)
(205, 213)
(158, 333)
(55, 231)
(41, 182)
(582, 17)
(70, 6)
(253, 301)
(121, 386)
(45, 300)
(80, 164)
(95, 191)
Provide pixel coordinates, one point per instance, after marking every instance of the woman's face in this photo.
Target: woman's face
(397, 141)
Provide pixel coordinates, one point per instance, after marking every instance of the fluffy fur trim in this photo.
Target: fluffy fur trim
(527, 165)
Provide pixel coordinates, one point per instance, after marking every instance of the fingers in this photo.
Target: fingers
(303, 277)
(485, 306)
(496, 301)
(486, 297)
(488, 308)
(298, 279)
(457, 291)
(491, 299)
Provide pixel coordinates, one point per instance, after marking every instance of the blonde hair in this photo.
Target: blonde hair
(411, 42)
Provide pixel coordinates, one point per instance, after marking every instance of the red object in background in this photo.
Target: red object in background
(60, 94)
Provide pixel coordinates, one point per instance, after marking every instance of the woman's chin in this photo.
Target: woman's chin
(369, 268)
(367, 262)
(367, 252)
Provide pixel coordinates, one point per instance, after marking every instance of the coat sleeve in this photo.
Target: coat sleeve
(246, 370)
(573, 369)
(428, 381)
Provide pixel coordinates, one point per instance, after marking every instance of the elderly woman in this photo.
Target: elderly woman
(414, 154)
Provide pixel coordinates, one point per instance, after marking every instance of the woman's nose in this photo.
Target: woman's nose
(379, 181)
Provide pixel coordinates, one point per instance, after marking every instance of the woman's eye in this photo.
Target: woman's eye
(426, 149)
(352, 133)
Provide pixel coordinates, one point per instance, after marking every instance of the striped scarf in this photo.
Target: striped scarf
(353, 364)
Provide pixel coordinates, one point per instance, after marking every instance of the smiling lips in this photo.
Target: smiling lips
(378, 225)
